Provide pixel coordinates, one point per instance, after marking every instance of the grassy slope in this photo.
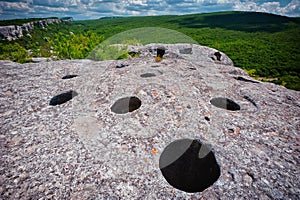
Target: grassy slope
(266, 44)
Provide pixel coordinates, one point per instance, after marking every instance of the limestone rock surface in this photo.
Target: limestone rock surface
(83, 150)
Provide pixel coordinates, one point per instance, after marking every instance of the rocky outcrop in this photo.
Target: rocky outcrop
(67, 19)
(14, 32)
(193, 131)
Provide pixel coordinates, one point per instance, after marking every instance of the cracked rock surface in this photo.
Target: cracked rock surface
(82, 150)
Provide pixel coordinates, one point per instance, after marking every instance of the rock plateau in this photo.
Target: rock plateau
(81, 149)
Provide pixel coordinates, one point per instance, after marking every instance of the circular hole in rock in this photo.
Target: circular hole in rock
(147, 75)
(69, 76)
(125, 105)
(121, 66)
(186, 51)
(189, 165)
(62, 98)
(192, 68)
(225, 103)
(134, 54)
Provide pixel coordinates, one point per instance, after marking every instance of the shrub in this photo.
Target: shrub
(14, 52)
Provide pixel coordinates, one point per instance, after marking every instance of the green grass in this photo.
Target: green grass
(267, 45)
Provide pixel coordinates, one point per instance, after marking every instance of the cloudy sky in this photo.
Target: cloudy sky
(93, 9)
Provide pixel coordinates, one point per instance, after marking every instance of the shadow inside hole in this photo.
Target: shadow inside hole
(69, 76)
(125, 105)
(239, 78)
(62, 98)
(225, 103)
(121, 66)
(189, 165)
(207, 118)
(251, 101)
(147, 75)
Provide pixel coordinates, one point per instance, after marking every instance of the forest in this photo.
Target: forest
(267, 46)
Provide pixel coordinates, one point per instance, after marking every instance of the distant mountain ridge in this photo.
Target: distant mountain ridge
(13, 29)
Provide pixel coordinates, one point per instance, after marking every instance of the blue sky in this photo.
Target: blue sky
(94, 9)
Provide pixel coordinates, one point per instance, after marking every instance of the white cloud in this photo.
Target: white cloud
(56, 9)
(211, 2)
(270, 7)
(14, 5)
(292, 9)
(87, 9)
(139, 2)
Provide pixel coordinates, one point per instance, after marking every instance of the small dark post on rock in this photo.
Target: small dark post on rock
(218, 55)
(160, 52)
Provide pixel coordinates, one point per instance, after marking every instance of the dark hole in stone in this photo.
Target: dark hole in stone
(125, 105)
(160, 52)
(232, 175)
(69, 76)
(239, 78)
(251, 175)
(186, 51)
(235, 72)
(189, 165)
(147, 75)
(230, 130)
(218, 55)
(192, 68)
(62, 98)
(290, 98)
(225, 103)
(121, 66)
(134, 54)
(207, 118)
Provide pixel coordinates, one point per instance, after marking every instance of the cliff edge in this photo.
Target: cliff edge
(14, 32)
